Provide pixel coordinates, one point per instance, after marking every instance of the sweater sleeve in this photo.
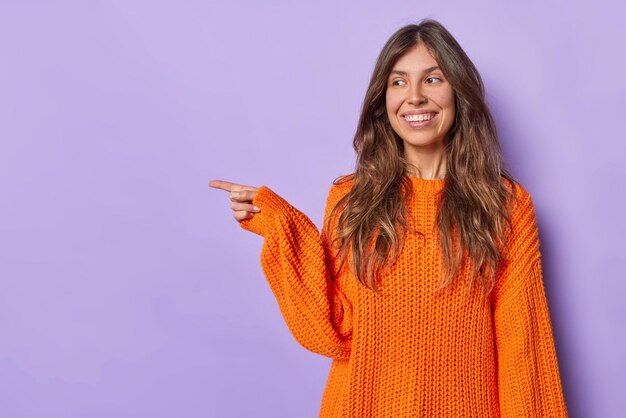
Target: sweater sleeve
(529, 383)
(296, 262)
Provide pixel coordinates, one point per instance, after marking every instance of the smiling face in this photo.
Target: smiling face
(420, 101)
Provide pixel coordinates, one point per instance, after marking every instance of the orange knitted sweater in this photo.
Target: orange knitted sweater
(406, 352)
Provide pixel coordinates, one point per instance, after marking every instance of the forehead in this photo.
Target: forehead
(416, 59)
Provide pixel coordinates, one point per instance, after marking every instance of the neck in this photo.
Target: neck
(426, 163)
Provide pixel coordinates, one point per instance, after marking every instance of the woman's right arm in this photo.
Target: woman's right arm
(297, 263)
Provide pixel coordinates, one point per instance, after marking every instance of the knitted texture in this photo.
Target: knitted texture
(408, 352)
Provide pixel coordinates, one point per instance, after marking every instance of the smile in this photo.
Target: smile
(419, 118)
(420, 121)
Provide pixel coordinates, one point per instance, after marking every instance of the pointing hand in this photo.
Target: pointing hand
(240, 198)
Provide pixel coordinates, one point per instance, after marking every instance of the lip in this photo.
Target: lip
(419, 125)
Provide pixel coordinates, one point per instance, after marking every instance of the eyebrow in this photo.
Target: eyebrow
(427, 70)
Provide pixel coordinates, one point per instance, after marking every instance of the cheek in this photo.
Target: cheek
(446, 102)
(393, 102)
(445, 99)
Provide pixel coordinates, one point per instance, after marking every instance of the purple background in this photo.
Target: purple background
(127, 288)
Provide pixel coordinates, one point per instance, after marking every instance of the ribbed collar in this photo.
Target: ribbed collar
(427, 185)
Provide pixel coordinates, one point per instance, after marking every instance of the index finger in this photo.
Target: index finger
(230, 186)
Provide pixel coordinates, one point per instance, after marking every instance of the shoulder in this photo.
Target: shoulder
(339, 188)
(524, 233)
(520, 199)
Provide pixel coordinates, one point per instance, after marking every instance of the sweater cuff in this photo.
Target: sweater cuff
(272, 207)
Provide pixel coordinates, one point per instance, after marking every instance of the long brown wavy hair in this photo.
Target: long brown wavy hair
(473, 219)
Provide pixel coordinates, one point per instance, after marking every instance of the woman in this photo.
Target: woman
(440, 309)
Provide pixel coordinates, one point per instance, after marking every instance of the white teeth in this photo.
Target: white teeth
(419, 118)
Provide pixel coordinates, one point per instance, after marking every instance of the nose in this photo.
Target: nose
(416, 96)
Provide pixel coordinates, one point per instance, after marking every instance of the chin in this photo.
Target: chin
(421, 142)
